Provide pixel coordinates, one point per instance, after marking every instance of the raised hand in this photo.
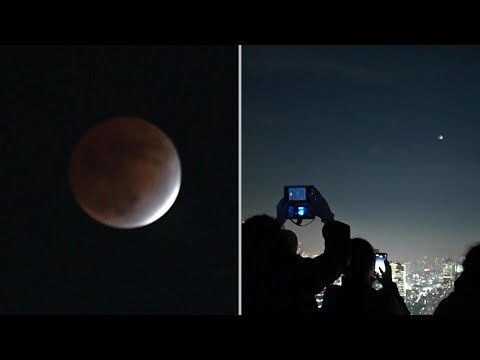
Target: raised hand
(386, 278)
(282, 209)
(320, 207)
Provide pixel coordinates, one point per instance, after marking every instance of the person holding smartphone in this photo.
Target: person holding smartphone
(356, 296)
(276, 280)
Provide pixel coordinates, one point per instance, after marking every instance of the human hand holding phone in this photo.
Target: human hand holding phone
(282, 210)
(380, 263)
(321, 207)
(386, 278)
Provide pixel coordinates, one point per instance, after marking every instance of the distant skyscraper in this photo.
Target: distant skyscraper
(399, 276)
(448, 272)
(457, 267)
(408, 268)
(300, 247)
(448, 269)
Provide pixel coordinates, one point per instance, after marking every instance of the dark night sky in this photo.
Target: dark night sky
(361, 123)
(55, 259)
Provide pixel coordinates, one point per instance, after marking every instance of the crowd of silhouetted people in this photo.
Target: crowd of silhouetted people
(278, 281)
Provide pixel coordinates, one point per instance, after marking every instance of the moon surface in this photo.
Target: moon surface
(440, 137)
(125, 172)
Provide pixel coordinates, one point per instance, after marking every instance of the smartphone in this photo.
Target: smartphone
(380, 259)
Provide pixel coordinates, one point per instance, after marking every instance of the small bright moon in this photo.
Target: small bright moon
(440, 137)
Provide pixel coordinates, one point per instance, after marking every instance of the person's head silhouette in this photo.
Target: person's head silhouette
(291, 241)
(471, 265)
(472, 260)
(465, 298)
(263, 236)
(362, 263)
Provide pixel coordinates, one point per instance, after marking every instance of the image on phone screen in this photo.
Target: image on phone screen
(380, 263)
(297, 193)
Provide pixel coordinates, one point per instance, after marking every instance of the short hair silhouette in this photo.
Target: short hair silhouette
(471, 268)
(363, 258)
(471, 263)
(291, 241)
(465, 299)
(262, 233)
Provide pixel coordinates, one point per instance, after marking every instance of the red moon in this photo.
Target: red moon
(125, 172)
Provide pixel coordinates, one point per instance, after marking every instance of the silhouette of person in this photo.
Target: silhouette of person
(275, 279)
(356, 296)
(465, 299)
(291, 240)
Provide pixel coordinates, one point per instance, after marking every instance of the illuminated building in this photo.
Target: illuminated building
(300, 247)
(448, 269)
(399, 277)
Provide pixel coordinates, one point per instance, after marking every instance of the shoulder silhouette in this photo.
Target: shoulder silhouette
(465, 299)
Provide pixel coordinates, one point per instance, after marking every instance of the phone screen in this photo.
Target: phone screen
(297, 193)
(380, 262)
